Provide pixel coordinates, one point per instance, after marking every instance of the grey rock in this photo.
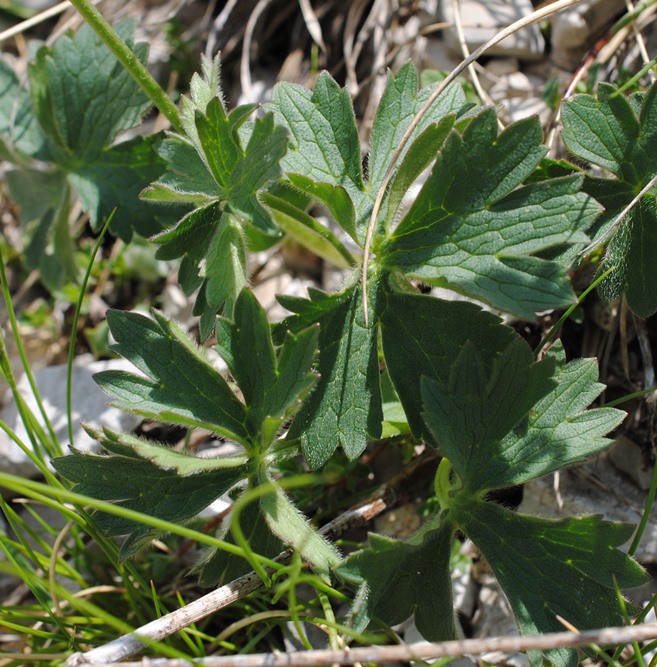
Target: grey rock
(482, 20)
(90, 404)
(575, 30)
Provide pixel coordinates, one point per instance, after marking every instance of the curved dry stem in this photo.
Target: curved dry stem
(535, 16)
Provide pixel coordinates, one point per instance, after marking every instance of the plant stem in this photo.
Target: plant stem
(127, 58)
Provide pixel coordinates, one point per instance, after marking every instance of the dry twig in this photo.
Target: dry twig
(422, 651)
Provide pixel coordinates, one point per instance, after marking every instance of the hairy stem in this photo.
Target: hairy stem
(127, 58)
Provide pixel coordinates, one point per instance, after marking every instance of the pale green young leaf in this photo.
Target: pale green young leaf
(548, 568)
(225, 180)
(292, 527)
(187, 178)
(297, 224)
(472, 228)
(149, 478)
(610, 131)
(404, 579)
(179, 384)
(333, 197)
(517, 420)
(344, 407)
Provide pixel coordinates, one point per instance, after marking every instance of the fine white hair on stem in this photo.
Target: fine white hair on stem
(525, 21)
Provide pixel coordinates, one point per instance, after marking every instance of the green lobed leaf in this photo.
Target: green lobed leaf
(179, 384)
(569, 567)
(18, 125)
(418, 157)
(344, 408)
(516, 420)
(83, 96)
(271, 384)
(148, 478)
(324, 144)
(325, 148)
(402, 579)
(224, 181)
(115, 179)
(472, 228)
(187, 178)
(401, 101)
(610, 131)
(422, 335)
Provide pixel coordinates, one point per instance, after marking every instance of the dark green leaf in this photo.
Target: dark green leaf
(470, 229)
(407, 578)
(423, 336)
(270, 385)
(224, 180)
(333, 197)
(517, 421)
(344, 408)
(148, 478)
(610, 132)
(179, 385)
(83, 96)
(114, 180)
(547, 568)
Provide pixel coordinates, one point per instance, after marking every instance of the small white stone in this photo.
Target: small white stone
(483, 20)
(90, 405)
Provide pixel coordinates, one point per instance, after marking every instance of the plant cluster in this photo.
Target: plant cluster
(495, 220)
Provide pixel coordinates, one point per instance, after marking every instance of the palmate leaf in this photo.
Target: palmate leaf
(402, 579)
(271, 383)
(219, 169)
(179, 384)
(83, 97)
(344, 409)
(473, 230)
(324, 145)
(79, 99)
(609, 132)
(505, 425)
(150, 478)
(517, 420)
(569, 567)
(501, 419)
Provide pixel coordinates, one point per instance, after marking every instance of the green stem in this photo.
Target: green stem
(74, 329)
(49, 442)
(647, 511)
(128, 59)
(551, 333)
